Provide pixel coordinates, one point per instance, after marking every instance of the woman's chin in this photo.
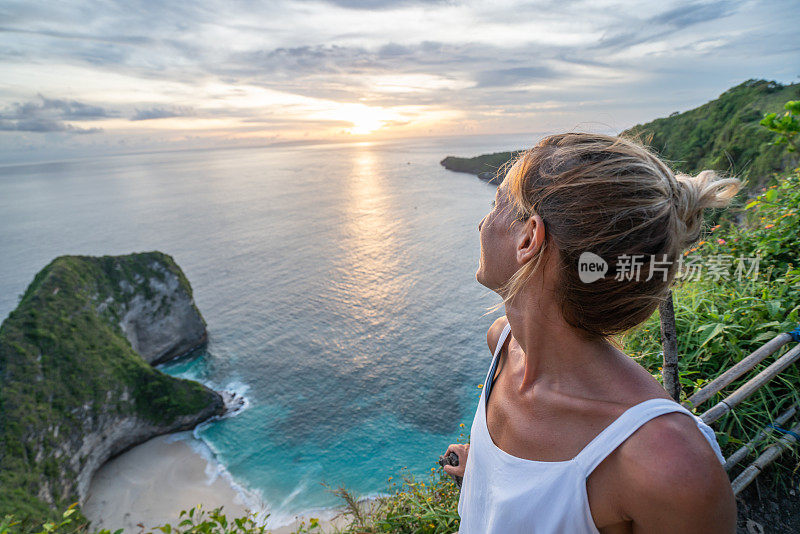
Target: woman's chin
(488, 284)
(479, 276)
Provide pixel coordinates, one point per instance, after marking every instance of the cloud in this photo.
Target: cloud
(694, 13)
(285, 66)
(349, 73)
(54, 108)
(74, 110)
(663, 25)
(162, 113)
(43, 126)
(382, 4)
(301, 60)
(393, 50)
(514, 76)
(49, 115)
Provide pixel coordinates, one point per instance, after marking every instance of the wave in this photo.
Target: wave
(265, 514)
(236, 401)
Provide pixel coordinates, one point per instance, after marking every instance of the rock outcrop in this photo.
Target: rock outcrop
(488, 167)
(165, 324)
(76, 379)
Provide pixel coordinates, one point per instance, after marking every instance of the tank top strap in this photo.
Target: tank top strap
(626, 424)
(489, 382)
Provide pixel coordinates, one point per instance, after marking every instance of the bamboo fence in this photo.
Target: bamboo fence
(732, 400)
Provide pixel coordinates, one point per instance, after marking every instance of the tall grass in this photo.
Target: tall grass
(414, 507)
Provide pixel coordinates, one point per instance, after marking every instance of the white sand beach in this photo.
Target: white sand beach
(153, 482)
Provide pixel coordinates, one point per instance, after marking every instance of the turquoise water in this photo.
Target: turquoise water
(337, 282)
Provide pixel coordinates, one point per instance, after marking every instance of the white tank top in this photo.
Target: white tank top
(504, 494)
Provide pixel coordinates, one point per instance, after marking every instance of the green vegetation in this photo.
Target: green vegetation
(724, 134)
(412, 507)
(487, 167)
(194, 521)
(65, 365)
(787, 126)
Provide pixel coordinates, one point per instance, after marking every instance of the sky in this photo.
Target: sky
(84, 78)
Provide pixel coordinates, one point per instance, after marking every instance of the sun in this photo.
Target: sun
(358, 119)
(365, 119)
(365, 126)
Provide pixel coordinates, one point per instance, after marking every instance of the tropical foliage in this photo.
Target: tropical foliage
(787, 126)
(725, 134)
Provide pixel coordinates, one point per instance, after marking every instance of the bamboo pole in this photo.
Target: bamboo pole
(769, 456)
(742, 452)
(751, 386)
(746, 364)
(669, 344)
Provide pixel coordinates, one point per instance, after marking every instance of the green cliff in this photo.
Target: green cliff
(487, 166)
(76, 382)
(723, 135)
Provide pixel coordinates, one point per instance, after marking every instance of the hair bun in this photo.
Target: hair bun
(696, 193)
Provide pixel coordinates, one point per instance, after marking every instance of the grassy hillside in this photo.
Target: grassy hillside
(66, 371)
(723, 135)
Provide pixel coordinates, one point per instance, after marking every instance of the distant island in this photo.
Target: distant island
(77, 384)
(723, 135)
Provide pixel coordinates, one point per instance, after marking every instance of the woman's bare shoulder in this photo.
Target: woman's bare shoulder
(493, 334)
(668, 464)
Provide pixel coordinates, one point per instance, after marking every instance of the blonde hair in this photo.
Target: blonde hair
(610, 196)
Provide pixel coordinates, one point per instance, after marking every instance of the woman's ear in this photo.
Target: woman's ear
(530, 237)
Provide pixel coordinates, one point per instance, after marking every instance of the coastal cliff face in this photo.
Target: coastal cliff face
(76, 382)
(164, 323)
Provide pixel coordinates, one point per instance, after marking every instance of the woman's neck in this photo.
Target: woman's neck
(555, 354)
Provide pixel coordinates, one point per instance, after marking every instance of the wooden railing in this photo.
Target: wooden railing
(726, 405)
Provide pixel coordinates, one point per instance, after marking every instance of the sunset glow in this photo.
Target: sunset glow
(366, 120)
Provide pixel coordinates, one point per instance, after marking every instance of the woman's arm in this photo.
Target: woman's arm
(462, 449)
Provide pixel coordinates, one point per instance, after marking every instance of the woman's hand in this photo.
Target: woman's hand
(461, 450)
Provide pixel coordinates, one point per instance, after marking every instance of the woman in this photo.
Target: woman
(571, 435)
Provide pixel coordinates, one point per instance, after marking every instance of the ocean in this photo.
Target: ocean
(337, 281)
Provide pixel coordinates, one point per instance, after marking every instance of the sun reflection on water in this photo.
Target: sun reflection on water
(369, 275)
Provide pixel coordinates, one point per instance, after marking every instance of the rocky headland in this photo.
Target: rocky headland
(77, 385)
(487, 167)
